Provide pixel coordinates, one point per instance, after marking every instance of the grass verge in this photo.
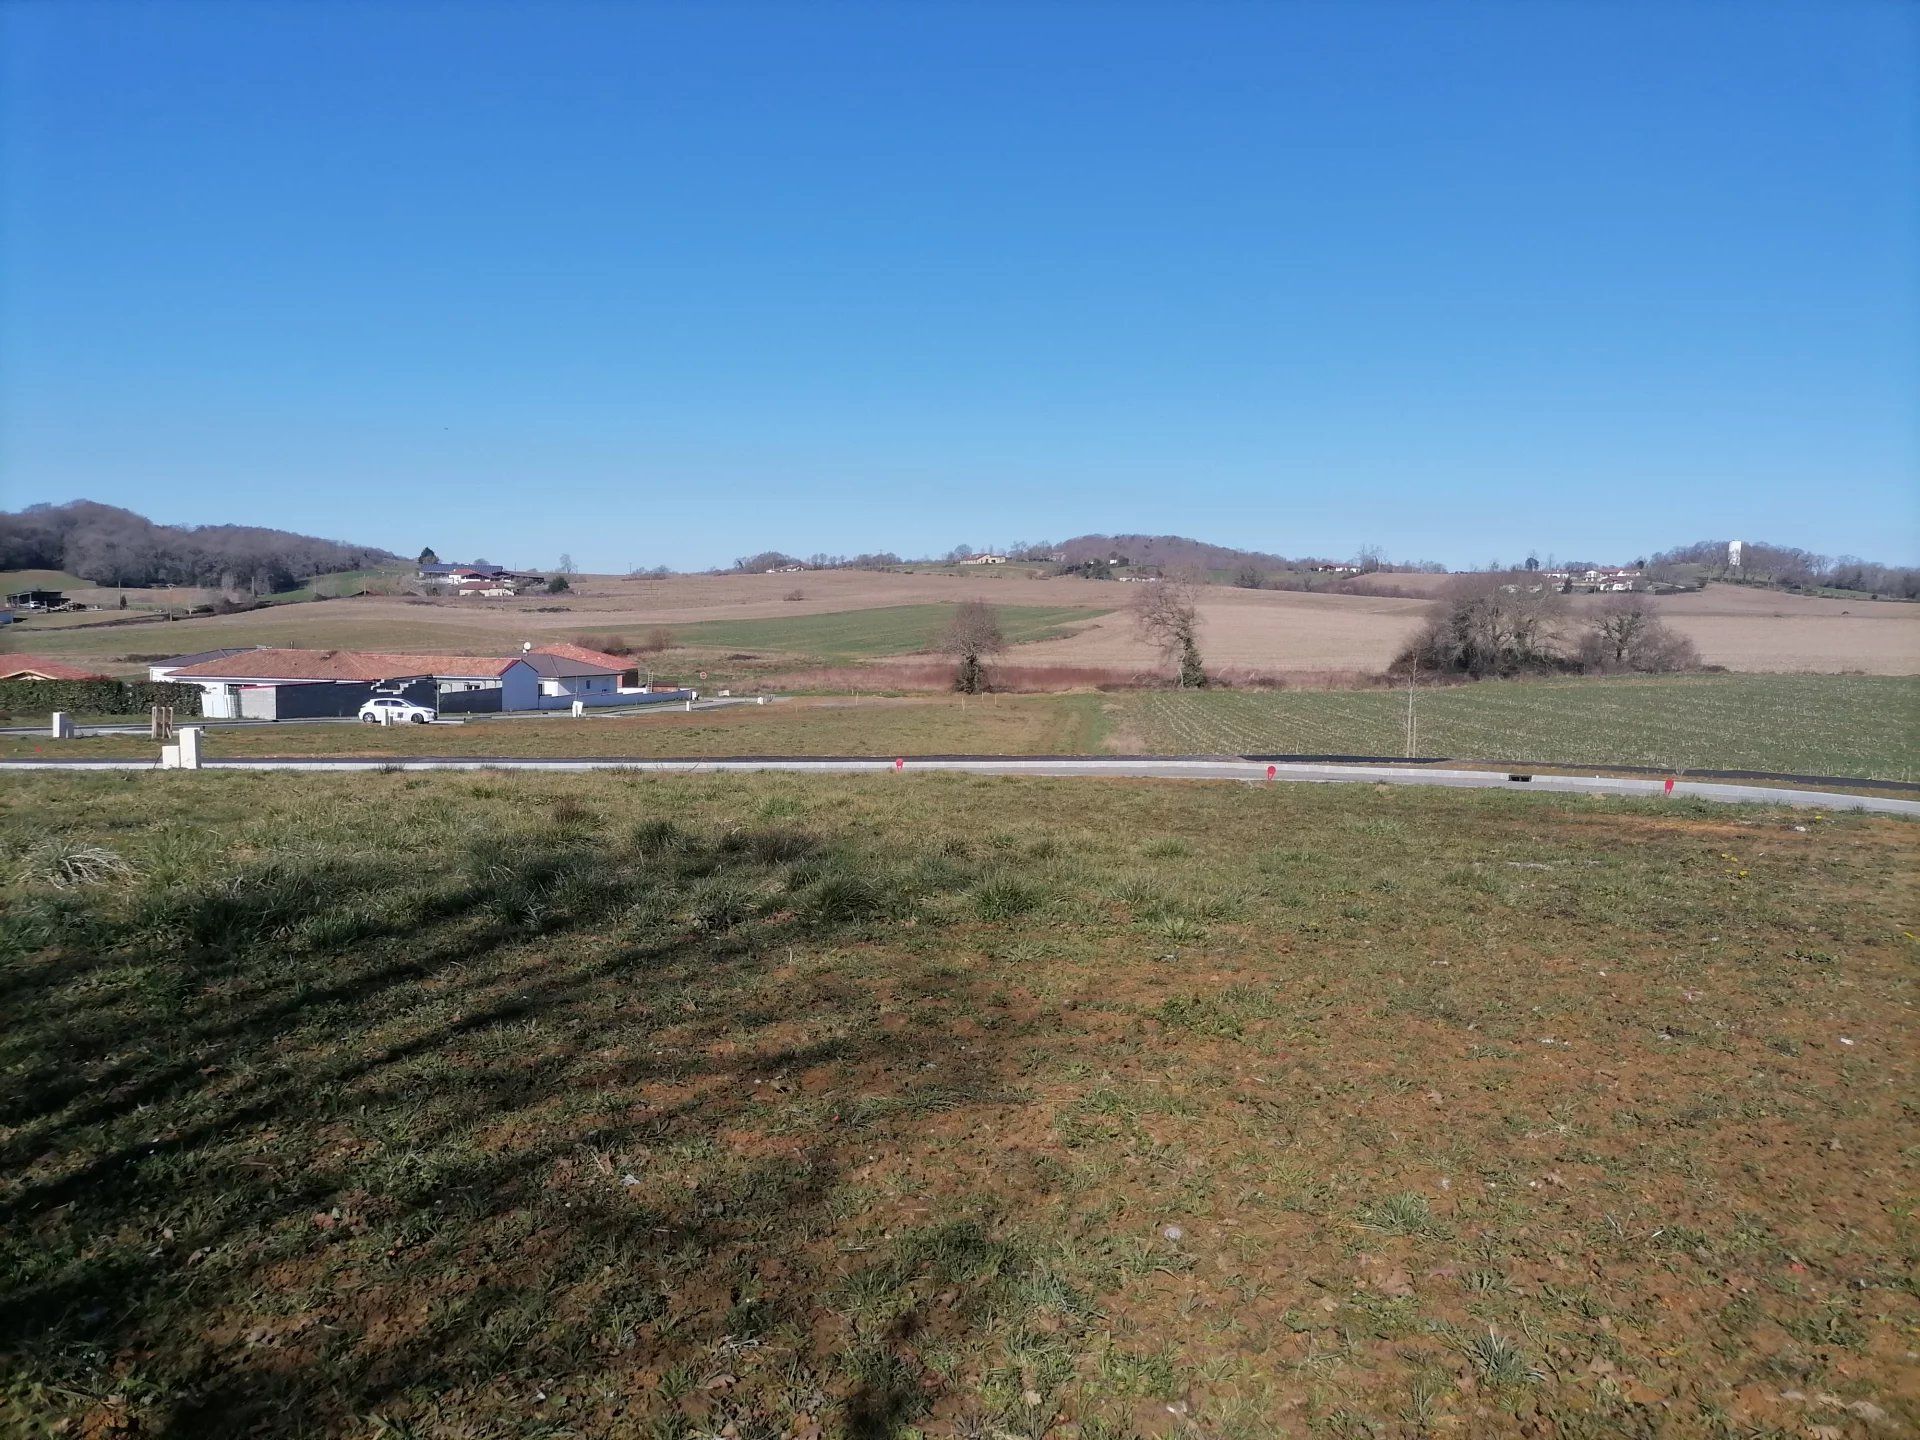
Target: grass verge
(1856, 725)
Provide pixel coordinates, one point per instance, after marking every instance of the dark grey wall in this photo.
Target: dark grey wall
(342, 697)
(471, 702)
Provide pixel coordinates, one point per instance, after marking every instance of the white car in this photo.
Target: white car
(392, 710)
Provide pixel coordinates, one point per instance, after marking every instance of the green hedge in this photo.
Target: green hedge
(96, 697)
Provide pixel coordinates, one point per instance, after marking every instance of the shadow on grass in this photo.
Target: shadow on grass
(547, 1126)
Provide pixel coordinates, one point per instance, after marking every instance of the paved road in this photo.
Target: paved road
(1243, 771)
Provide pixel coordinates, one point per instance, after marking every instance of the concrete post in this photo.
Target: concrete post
(62, 727)
(190, 747)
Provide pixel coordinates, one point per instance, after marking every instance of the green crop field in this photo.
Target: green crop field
(1853, 725)
(988, 724)
(341, 583)
(886, 630)
(448, 1106)
(1867, 727)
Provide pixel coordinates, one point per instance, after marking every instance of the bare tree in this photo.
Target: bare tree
(565, 566)
(1167, 613)
(1483, 625)
(1625, 633)
(1250, 577)
(971, 635)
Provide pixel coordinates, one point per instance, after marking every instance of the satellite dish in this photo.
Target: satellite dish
(526, 647)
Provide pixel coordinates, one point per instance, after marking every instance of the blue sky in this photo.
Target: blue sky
(673, 283)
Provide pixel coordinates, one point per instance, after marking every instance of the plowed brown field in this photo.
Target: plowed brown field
(1264, 630)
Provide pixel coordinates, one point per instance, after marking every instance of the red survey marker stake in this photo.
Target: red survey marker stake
(1669, 789)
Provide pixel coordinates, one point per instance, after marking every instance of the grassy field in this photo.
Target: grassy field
(12, 581)
(999, 725)
(341, 583)
(640, 1106)
(855, 634)
(1856, 725)
(333, 624)
(1861, 726)
(483, 627)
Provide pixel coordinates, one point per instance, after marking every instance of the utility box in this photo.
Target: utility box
(190, 747)
(184, 754)
(62, 727)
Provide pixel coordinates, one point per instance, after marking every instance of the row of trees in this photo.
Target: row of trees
(779, 560)
(1488, 626)
(1483, 627)
(111, 546)
(1166, 614)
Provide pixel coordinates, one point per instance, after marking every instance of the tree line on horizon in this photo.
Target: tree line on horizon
(112, 546)
(1788, 566)
(109, 545)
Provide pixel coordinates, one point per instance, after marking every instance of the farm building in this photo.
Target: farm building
(38, 667)
(38, 600)
(481, 578)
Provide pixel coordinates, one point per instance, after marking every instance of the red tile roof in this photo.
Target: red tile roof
(271, 664)
(39, 667)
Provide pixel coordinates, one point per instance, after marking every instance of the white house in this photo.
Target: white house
(278, 684)
(985, 560)
(564, 679)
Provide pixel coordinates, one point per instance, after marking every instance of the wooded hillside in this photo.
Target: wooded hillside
(111, 546)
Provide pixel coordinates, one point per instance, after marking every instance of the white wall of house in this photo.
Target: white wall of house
(219, 699)
(558, 694)
(575, 687)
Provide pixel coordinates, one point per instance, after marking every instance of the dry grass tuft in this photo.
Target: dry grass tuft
(68, 864)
